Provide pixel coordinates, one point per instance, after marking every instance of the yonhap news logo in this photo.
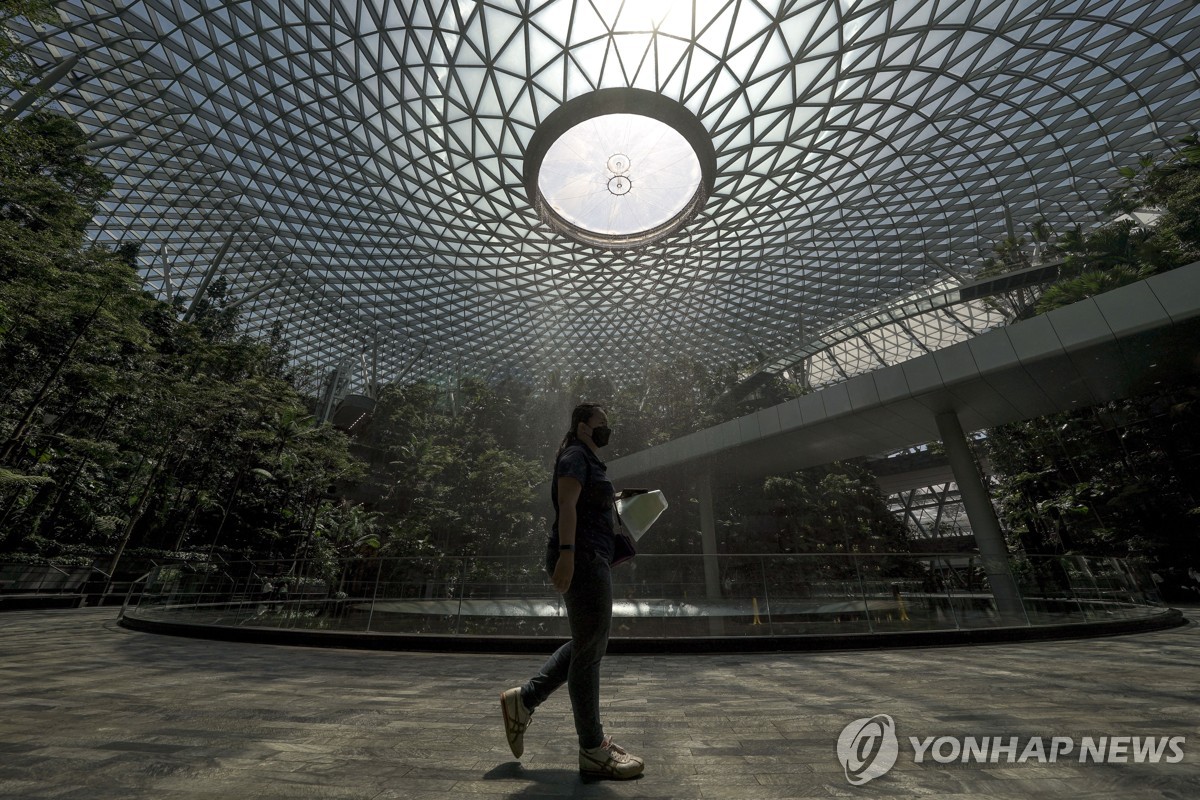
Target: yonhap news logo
(1039, 750)
(868, 748)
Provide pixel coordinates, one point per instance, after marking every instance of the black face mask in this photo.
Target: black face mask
(600, 435)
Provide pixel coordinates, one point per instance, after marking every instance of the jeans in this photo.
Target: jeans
(577, 663)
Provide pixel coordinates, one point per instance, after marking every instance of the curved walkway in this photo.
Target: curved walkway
(92, 710)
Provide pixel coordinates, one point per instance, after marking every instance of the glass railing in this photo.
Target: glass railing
(654, 596)
(44, 579)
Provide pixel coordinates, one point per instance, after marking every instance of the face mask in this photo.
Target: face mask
(600, 435)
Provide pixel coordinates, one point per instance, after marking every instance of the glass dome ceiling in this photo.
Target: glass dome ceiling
(619, 168)
(354, 168)
(619, 175)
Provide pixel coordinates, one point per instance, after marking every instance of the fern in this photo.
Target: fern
(8, 479)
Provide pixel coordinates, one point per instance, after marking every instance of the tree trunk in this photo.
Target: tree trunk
(147, 491)
(237, 482)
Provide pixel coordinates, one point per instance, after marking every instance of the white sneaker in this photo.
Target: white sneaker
(609, 760)
(516, 719)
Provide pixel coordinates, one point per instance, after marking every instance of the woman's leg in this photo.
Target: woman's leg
(589, 610)
(577, 663)
(552, 675)
(554, 672)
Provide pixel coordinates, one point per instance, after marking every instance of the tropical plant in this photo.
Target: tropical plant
(122, 427)
(14, 69)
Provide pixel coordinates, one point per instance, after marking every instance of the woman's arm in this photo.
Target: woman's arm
(569, 490)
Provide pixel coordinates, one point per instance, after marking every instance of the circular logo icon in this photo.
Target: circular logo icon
(619, 185)
(867, 748)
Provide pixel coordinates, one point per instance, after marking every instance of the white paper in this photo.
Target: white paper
(639, 512)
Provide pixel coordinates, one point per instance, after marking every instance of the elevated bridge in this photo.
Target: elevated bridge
(1112, 346)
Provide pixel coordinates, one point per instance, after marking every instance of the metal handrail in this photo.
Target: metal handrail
(129, 591)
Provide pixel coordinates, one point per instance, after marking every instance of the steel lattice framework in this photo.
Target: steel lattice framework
(354, 167)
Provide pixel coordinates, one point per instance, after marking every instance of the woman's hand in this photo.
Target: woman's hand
(564, 570)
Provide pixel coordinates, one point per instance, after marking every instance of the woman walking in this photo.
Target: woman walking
(577, 557)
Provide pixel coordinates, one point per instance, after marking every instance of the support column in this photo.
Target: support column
(246, 298)
(992, 550)
(56, 74)
(208, 276)
(337, 378)
(708, 543)
(168, 294)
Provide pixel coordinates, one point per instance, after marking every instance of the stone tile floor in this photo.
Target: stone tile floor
(91, 710)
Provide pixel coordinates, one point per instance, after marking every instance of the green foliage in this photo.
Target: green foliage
(1118, 479)
(1170, 185)
(837, 508)
(1155, 227)
(119, 423)
(465, 469)
(1127, 250)
(13, 67)
(1008, 255)
(48, 187)
(670, 399)
(440, 480)
(10, 479)
(1089, 284)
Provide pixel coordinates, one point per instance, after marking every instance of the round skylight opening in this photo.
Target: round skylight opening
(619, 168)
